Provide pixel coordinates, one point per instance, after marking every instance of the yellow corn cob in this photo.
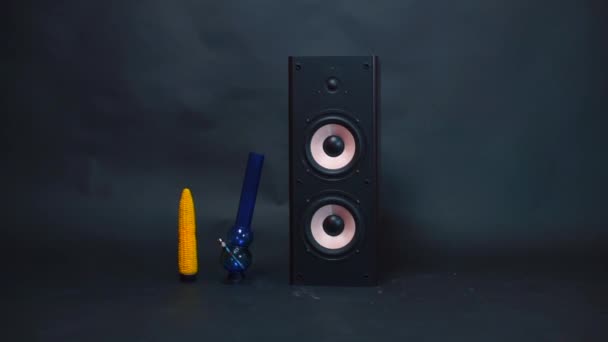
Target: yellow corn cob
(187, 254)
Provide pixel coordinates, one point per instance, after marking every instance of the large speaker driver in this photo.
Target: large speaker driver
(333, 226)
(333, 170)
(333, 145)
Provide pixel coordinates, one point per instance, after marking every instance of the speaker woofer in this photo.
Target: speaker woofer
(333, 145)
(332, 226)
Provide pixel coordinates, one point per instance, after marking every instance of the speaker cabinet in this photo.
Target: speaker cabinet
(333, 170)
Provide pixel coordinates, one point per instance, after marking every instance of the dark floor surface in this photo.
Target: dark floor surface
(135, 296)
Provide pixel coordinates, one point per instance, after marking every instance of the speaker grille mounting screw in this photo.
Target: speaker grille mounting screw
(366, 66)
(307, 119)
(299, 181)
(367, 181)
(357, 251)
(308, 200)
(298, 67)
(307, 170)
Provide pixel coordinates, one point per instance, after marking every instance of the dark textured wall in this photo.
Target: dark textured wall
(494, 119)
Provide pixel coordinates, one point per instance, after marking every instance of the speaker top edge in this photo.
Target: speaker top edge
(332, 56)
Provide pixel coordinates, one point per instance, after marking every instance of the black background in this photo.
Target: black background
(493, 152)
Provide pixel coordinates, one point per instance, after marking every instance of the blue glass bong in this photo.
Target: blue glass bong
(236, 257)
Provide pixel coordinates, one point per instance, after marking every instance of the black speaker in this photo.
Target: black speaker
(333, 170)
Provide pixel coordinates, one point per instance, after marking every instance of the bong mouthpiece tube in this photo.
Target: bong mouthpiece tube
(249, 191)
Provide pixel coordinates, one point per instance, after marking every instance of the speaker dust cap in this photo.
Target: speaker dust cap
(333, 145)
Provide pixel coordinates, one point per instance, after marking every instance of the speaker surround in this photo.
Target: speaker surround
(333, 170)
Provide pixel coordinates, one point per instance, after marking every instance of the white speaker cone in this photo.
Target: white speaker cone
(322, 158)
(328, 241)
